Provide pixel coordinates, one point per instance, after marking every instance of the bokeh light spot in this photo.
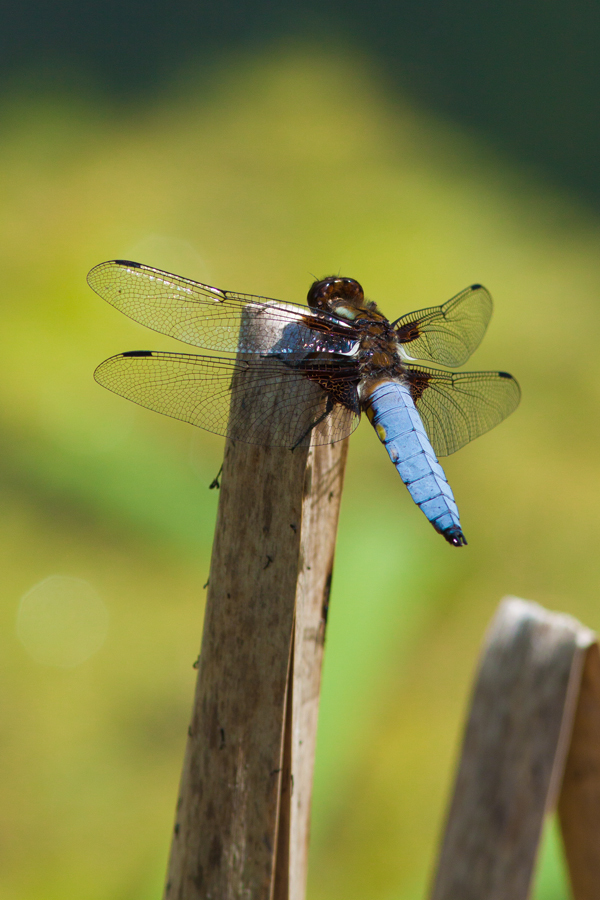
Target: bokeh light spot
(62, 621)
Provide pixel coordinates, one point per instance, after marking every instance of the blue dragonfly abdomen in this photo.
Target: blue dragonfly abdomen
(395, 418)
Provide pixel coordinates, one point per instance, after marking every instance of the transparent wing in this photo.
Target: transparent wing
(450, 333)
(458, 407)
(266, 402)
(217, 320)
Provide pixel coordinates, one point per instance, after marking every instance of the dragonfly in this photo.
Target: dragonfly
(305, 374)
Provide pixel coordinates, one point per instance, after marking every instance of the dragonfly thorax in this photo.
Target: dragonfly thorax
(378, 355)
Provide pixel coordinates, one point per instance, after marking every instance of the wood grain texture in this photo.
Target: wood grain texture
(513, 753)
(579, 802)
(325, 475)
(271, 567)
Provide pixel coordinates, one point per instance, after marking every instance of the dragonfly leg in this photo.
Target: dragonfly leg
(328, 408)
(215, 483)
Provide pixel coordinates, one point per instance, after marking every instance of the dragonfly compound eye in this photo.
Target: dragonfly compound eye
(328, 292)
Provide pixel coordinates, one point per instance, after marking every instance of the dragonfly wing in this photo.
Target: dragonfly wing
(217, 320)
(447, 334)
(256, 401)
(457, 407)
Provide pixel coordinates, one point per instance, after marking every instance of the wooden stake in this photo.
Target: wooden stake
(513, 755)
(243, 810)
(325, 473)
(579, 803)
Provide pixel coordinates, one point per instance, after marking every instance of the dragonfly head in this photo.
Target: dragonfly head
(342, 296)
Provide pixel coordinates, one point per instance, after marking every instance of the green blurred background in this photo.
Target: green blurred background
(417, 149)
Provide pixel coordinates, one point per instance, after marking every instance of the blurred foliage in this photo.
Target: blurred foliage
(524, 73)
(283, 169)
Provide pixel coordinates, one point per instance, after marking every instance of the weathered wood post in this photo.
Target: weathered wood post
(532, 737)
(579, 801)
(242, 820)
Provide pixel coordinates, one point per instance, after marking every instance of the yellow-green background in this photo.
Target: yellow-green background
(279, 168)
